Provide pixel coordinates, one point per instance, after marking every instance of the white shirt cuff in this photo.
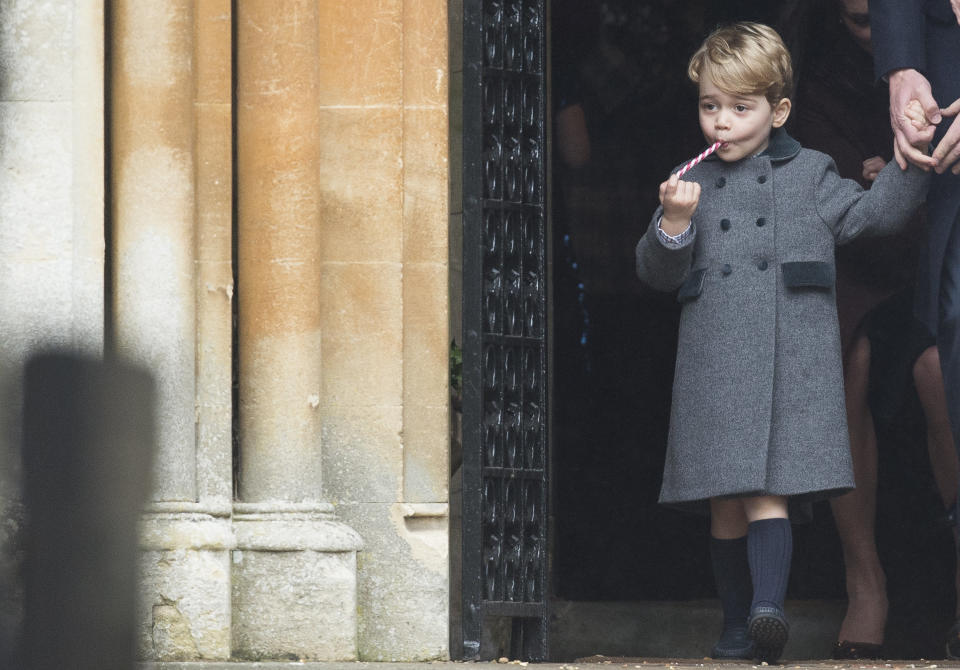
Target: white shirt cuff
(674, 240)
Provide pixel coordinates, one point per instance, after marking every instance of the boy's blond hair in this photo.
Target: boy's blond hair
(745, 58)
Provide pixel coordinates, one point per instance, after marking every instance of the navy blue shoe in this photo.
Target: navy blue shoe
(733, 643)
(768, 628)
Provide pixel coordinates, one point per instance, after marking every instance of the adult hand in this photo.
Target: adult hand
(947, 150)
(872, 167)
(908, 142)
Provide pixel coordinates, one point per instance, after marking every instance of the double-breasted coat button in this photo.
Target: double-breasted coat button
(762, 265)
(725, 224)
(726, 269)
(721, 182)
(762, 179)
(761, 222)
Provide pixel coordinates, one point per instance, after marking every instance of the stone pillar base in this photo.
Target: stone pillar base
(294, 583)
(184, 608)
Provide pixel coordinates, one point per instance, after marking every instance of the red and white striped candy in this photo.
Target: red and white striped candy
(713, 147)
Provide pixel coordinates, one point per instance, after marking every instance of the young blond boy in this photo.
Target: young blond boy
(747, 240)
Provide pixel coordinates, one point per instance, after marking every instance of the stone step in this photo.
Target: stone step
(676, 629)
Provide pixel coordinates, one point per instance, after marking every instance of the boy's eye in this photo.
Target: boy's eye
(741, 108)
(709, 106)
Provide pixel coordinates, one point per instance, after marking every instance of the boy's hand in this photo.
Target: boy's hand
(915, 114)
(679, 199)
(872, 167)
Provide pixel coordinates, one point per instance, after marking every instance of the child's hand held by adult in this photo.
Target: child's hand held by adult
(915, 114)
(679, 199)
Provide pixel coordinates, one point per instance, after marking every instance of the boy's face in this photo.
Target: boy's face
(742, 122)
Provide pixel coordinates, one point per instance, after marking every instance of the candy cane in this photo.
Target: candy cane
(713, 147)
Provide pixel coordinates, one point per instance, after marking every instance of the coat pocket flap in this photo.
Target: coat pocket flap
(692, 285)
(808, 274)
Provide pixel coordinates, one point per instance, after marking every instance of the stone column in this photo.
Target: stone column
(153, 221)
(384, 183)
(295, 568)
(172, 286)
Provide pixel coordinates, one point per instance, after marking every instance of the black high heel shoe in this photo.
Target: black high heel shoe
(953, 641)
(855, 651)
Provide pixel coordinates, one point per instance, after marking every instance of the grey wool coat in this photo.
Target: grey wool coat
(758, 404)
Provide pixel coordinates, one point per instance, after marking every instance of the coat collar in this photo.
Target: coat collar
(782, 147)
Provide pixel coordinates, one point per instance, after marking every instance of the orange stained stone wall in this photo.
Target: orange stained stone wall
(278, 217)
(383, 250)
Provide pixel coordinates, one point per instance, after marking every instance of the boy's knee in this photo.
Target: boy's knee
(765, 507)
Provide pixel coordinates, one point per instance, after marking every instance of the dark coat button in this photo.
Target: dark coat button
(761, 222)
(726, 269)
(762, 265)
(721, 182)
(762, 179)
(725, 224)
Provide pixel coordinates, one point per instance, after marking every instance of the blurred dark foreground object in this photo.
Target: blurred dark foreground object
(88, 432)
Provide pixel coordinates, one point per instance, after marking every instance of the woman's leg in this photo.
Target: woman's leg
(727, 518)
(731, 571)
(855, 512)
(943, 457)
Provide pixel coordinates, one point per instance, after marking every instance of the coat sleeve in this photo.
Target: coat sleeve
(849, 210)
(897, 32)
(660, 266)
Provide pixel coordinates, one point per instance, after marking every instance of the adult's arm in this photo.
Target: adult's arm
(898, 34)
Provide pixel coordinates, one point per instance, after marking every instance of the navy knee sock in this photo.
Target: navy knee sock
(731, 571)
(769, 550)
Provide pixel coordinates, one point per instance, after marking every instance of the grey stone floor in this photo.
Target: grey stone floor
(633, 636)
(593, 663)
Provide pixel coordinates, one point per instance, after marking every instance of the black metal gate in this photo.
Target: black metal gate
(504, 474)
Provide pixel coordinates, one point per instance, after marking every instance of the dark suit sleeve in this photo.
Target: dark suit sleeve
(897, 30)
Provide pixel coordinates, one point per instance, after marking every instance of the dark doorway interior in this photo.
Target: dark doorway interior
(621, 64)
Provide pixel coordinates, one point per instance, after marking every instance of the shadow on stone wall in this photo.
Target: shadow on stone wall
(87, 439)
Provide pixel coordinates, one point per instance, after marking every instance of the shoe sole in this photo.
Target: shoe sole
(769, 635)
(744, 654)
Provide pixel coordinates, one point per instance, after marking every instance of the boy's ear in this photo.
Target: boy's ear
(780, 112)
